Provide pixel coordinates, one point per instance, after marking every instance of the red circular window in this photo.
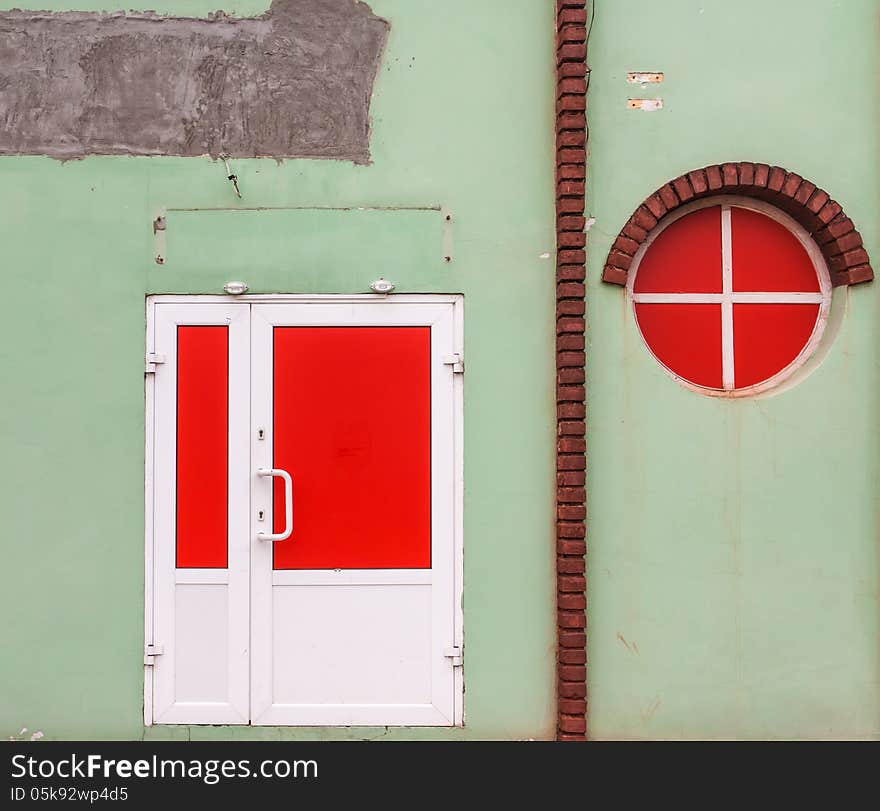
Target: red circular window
(731, 297)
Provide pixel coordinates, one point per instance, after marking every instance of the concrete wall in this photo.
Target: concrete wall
(733, 561)
(293, 81)
(462, 114)
(732, 545)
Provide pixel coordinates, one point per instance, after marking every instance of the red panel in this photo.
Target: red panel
(202, 446)
(686, 338)
(768, 337)
(353, 427)
(767, 257)
(685, 257)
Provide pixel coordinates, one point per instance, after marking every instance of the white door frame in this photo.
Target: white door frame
(378, 301)
(231, 705)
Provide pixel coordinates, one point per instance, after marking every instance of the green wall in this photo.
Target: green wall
(462, 118)
(733, 557)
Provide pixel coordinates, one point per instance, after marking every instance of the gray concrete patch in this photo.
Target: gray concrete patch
(294, 82)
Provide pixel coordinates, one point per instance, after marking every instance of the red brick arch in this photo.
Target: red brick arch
(822, 217)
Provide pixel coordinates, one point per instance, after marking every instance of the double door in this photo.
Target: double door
(303, 555)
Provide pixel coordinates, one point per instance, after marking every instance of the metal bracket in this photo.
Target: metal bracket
(455, 654)
(448, 250)
(160, 224)
(153, 359)
(151, 652)
(456, 361)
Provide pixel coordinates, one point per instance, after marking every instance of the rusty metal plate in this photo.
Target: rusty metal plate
(644, 77)
(646, 105)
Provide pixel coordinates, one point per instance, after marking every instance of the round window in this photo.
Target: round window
(731, 297)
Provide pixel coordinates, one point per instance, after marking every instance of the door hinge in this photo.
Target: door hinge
(151, 652)
(455, 654)
(153, 360)
(456, 361)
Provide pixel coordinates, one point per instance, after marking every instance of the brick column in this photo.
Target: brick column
(571, 129)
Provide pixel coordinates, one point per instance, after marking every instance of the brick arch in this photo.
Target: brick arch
(822, 217)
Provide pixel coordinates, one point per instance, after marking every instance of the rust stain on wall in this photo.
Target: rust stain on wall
(293, 82)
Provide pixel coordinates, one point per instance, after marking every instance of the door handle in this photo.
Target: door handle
(288, 505)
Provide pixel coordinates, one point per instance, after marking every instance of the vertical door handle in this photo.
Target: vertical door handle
(288, 505)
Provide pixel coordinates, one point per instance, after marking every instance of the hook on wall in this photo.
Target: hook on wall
(230, 175)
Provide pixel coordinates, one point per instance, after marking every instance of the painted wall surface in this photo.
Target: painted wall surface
(79, 259)
(733, 545)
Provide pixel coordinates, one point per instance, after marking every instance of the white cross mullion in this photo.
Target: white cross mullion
(676, 298)
(777, 298)
(727, 365)
(738, 297)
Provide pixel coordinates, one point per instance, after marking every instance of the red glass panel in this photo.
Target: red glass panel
(768, 337)
(202, 446)
(685, 257)
(686, 338)
(352, 425)
(767, 257)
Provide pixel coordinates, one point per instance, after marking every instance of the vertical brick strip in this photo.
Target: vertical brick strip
(571, 135)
